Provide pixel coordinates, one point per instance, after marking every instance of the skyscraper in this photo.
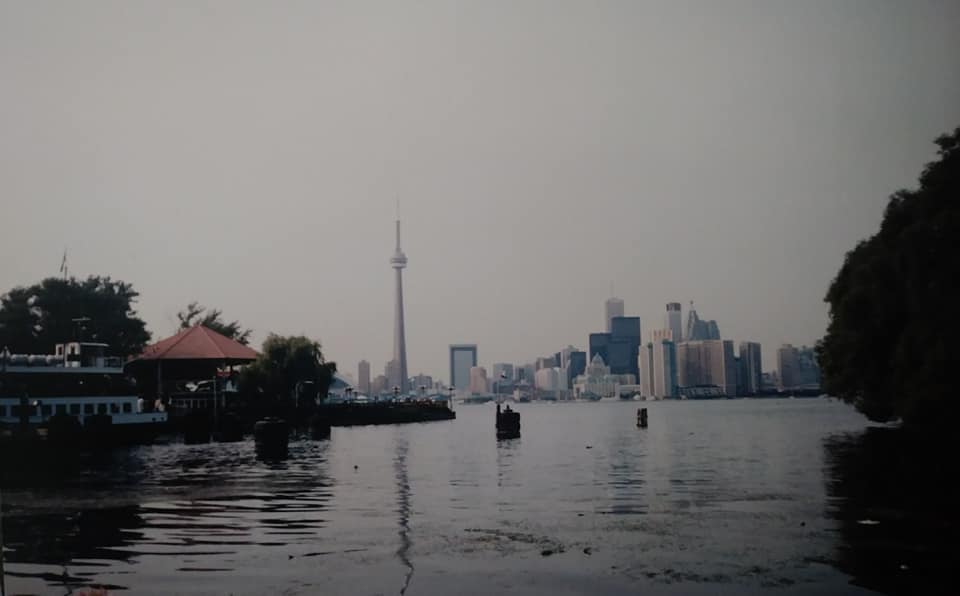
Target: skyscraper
(707, 362)
(399, 261)
(698, 329)
(612, 308)
(751, 369)
(674, 321)
(363, 377)
(624, 348)
(463, 357)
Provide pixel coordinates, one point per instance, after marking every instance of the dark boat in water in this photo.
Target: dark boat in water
(271, 437)
(508, 423)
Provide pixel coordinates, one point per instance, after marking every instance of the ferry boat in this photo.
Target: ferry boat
(77, 392)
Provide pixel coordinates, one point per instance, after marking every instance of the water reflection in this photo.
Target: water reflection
(403, 509)
(895, 499)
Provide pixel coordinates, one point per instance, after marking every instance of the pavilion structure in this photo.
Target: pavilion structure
(194, 355)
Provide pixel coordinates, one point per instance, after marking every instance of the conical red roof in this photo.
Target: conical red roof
(199, 343)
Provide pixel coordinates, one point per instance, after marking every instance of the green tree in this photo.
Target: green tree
(33, 319)
(892, 322)
(212, 318)
(286, 367)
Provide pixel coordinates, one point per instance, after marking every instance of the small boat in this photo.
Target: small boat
(508, 423)
(271, 436)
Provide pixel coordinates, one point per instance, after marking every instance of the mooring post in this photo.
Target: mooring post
(642, 418)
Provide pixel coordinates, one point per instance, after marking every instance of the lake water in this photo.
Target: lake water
(729, 496)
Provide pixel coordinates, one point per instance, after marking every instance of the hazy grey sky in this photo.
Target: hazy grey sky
(248, 155)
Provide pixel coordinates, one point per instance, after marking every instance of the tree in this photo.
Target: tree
(288, 367)
(33, 319)
(888, 348)
(211, 318)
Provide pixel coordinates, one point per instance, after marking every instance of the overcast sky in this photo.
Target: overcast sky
(249, 156)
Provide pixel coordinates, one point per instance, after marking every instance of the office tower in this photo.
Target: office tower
(363, 377)
(624, 347)
(674, 321)
(751, 368)
(399, 261)
(658, 367)
(379, 385)
(598, 345)
(612, 308)
(463, 357)
(707, 362)
(788, 365)
(698, 329)
(478, 380)
(576, 364)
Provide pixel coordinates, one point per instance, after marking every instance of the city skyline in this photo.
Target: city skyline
(540, 151)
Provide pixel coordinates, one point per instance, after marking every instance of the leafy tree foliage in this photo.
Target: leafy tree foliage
(211, 318)
(288, 367)
(33, 319)
(888, 348)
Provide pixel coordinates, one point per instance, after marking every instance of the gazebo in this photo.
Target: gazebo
(194, 354)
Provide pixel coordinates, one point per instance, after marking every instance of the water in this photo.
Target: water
(733, 496)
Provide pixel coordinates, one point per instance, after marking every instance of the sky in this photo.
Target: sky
(250, 155)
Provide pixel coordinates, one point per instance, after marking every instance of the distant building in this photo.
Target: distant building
(598, 381)
(788, 366)
(707, 362)
(798, 367)
(576, 364)
(698, 329)
(478, 380)
(674, 321)
(624, 347)
(751, 368)
(393, 372)
(546, 362)
(658, 366)
(422, 380)
(379, 385)
(612, 308)
(463, 357)
(363, 377)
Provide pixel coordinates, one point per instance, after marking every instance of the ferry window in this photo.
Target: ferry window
(74, 409)
(114, 408)
(3, 410)
(127, 407)
(101, 408)
(88, 408)
(61, 408)
(15, 410)
(46, 410)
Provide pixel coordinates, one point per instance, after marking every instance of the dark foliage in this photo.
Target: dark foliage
(288, 369)
(33, 319)
(887, 348)
(211, 318)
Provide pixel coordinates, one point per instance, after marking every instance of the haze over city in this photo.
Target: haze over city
(252, 159)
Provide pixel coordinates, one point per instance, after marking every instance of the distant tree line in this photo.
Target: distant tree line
(889, 346)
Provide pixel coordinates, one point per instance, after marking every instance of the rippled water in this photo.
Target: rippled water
(734, 496)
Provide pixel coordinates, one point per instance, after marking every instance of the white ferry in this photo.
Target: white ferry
(76, 385)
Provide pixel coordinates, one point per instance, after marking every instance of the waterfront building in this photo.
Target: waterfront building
(478, 380)
(624, 347)
(422, 380)
(658, 366)
(598, 381)
(788, 366)
(576, 364)
(463, 357)
(707, 362)
(612, 308)
(392, 372)
(379, 385)
(363, 377)
(674, 321)
(751, 368)
(399, 262)
(546, 362)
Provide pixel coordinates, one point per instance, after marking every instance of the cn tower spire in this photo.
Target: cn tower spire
(399, 262)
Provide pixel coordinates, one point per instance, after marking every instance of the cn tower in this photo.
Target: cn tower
(399, 261)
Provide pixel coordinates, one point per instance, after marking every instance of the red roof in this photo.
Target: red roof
(198, 343)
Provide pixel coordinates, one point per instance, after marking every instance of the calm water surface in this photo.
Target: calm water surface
(724, 496)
